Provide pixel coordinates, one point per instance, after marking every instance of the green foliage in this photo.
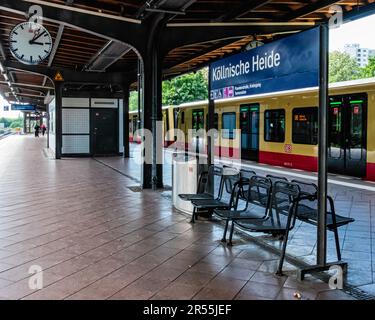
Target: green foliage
(186, 88)
(342, 67)
(16, 124)
(133, 101)
(6, 121)
(369, 70)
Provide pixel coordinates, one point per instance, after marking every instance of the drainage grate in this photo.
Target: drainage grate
(357, 293)
(135, 188)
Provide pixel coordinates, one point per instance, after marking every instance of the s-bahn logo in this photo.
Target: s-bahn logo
(229, 92)
(288, 148)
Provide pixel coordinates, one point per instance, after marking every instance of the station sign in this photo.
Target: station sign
(23, 107)
(285, 64)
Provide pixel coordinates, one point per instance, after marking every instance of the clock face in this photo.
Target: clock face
(30, 42)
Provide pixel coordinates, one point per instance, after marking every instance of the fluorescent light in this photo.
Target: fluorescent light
(6, 77)
(1, 67)
(9, 84)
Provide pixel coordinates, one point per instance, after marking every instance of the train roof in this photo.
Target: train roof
(335, 85)
(163, 107)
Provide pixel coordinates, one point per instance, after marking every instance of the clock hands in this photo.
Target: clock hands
(32, 41)
(39, 43)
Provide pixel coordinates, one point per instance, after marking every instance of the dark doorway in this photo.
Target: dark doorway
(249, 125)
(347, 135)
(104, 131)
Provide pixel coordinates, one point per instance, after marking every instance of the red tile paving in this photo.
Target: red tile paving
(96, 239)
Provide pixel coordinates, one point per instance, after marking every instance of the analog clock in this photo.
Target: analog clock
(30, 42)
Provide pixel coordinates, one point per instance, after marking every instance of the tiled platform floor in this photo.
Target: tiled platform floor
(357, 239)
(96, 239)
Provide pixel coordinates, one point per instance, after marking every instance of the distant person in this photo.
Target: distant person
(37, 128)
(44, 129)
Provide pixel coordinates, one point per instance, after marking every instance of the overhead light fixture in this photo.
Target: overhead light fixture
(6, 77)
(1, 67)
(9, 84)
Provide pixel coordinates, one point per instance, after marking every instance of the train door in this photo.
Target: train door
(347, 135)
(249, 125)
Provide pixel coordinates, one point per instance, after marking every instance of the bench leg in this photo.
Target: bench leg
(337, 241)
(193, 216)
(224, 239)
(279, 271)
(231, 235)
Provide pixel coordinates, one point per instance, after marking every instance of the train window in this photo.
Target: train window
(229, 125)
(305, 125)
(274, 125)
(182, 117)
(198, 119)
(216, 121)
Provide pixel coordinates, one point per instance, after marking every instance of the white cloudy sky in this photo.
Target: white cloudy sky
(360, 31)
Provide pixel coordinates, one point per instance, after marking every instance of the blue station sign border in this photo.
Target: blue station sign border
(286, 64)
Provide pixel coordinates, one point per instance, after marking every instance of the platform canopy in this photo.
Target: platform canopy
(86, 33)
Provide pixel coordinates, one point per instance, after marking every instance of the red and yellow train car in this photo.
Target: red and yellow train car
(281, 128)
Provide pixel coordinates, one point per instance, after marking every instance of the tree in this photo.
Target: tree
(133, 101)
(186, 88)
(6, 122)
(369, 70)
(342, 67)
(16, 124)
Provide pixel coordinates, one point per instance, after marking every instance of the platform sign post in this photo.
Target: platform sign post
(210, 125)
(323, 147)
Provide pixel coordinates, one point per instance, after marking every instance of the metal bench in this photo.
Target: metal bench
(307, 211)
(227, 195)
(205, 190)
(257, 196)
(281, 217)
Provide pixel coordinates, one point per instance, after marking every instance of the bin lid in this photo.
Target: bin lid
(183, 157)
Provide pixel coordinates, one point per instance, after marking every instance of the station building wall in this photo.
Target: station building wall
(77, 129)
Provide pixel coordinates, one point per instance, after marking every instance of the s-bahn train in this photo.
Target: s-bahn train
(281, 128)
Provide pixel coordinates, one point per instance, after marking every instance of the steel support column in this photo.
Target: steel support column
(210, 123)
(125, 89)
(152, 113)
(321, 256)
(323, 145)
(152, 176)
(24, 123)
(58, 102)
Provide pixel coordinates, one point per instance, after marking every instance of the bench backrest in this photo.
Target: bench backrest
(230, 177)
(274, 178)
(284, 201)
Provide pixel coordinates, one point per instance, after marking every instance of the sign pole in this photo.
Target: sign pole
(323, 147)
(210, 122)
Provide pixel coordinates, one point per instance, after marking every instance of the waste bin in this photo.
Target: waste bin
(184, 179)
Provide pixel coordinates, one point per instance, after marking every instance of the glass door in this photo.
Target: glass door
(249, 125)
(347, 135)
